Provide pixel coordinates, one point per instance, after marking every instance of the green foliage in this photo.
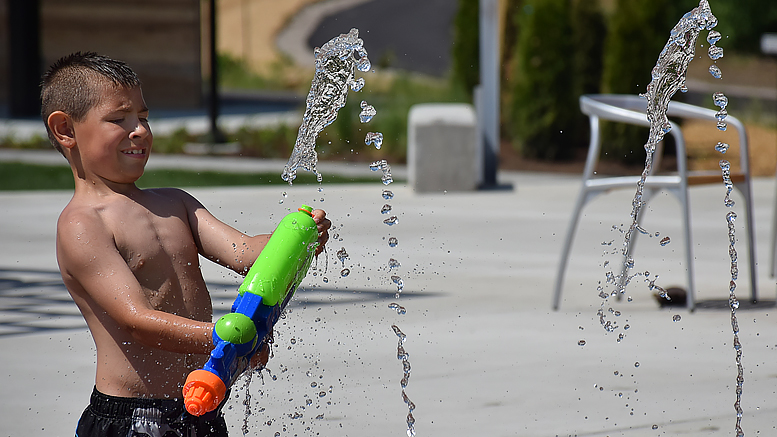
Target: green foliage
(465, 50)
(235, 74)
(557, 58)
(266, 143)
(742, 22)
(34, 142)
(344, 138)
(15, 176)
(172, 143)
(638, 31)
(18, 176)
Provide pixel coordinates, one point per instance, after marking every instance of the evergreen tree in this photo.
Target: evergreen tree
(466, 45)
(557, 58)
(638, 31)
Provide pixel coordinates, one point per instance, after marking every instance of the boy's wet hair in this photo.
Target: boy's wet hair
(74, 85)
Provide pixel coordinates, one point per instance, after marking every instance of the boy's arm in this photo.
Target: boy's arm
(231, 248)
(89, 259)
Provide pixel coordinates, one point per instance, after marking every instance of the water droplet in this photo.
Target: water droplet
(364, 63)
(385, 209)
(368, 111)
(391, 221)
(398, 308)
(321, 394)
(334, 73)
(721, 115)
(342, 255)
(398, 333)
(377, 165)
(357, 85)
(375, 138)
(345, 272)
(393, 242)
(393, 264)
(655, 426)
(581, 342)
(636, 364)
(676, 318)
(313, 384)
(664, 241)
(720, 100)
(722, 126)
(387, 194)
(713, 37)
(280, 202)
(722, 147)
(715, 52)
(715, 72)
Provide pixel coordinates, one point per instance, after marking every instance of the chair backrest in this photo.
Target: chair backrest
(631, 109)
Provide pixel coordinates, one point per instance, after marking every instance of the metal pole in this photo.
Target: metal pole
(213, 107)
(25, 58)
(488, 105)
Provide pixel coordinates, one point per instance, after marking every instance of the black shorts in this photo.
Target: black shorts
(111, 416)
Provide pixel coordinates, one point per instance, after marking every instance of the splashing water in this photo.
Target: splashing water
(391, 221)
(668, 77)
(721, 101)
(383, 165)
(336, 62)
(403, 356)
(368, 111)
(374, 138)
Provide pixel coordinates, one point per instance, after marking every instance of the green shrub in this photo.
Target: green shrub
(466, 46)
(266, 143)
(344, 138)
(638, 31)
(557, 57)
(742, 22)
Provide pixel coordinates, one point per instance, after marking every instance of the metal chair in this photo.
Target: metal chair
(631, 109)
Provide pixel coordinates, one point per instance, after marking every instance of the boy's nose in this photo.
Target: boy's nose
(140, 131)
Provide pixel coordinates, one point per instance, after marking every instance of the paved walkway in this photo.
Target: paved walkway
(488, 355)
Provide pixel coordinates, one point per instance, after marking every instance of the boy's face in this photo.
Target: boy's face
(114, 140)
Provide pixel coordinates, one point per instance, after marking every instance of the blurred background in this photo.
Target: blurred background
(552, 52)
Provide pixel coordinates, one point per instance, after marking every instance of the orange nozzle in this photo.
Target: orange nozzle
(203, 392)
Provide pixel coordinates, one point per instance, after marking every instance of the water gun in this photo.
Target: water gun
(265, 292)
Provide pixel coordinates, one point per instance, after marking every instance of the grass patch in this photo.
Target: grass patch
(16, 176)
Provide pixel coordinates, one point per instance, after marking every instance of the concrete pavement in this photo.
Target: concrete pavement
(488, 355)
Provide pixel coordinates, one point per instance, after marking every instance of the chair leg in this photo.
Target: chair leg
(686, 207)
(744, 188)
(582, 199)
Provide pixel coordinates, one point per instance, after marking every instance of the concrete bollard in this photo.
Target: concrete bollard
(442, 149)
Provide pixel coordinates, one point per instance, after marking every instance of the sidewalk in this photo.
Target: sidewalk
(488, 355)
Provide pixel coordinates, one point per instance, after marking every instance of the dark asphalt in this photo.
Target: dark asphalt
(414, 35)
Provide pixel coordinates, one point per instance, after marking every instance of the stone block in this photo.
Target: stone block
(443, 152)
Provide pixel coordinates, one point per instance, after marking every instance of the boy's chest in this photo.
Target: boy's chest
(160, 250)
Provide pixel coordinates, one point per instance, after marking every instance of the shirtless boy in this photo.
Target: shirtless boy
(129, 257)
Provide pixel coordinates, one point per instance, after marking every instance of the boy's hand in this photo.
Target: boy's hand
(260, 358)
(323, 224)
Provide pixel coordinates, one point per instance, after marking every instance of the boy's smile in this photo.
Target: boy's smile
(114, 140)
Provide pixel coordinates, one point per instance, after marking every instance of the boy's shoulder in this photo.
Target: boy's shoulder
(88, 212)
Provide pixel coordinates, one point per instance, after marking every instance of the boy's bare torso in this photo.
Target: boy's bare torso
(151, 231)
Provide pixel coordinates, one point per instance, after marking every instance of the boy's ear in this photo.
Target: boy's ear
(61, 126)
